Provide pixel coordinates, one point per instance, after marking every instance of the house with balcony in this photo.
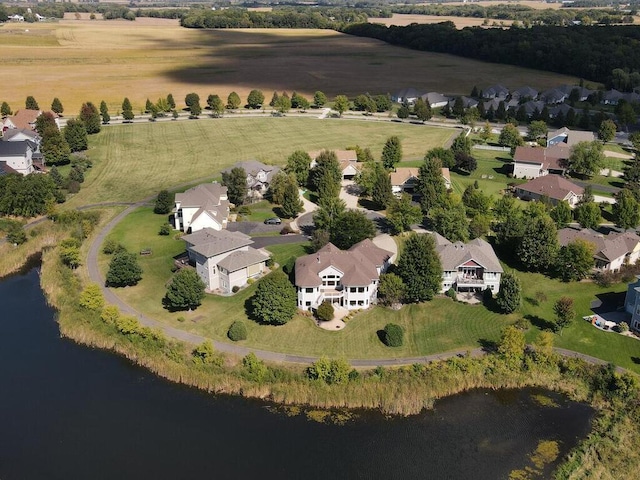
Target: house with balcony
(346, 278)
(224, 259)
(468, 267)
(204, 206)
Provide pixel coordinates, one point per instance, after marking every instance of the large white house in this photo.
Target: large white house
(632, 303)
(224, 259)
(346, 278)
(204, 206)
(471, 266)
(534, 162)
(611, 252)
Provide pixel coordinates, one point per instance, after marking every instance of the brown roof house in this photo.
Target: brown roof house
(224, 259)
(346, 278)
(534, 162)
(471, 266)
(555, 187)
(612, 251)
(204, 206)
(26, 120)
(404, 179)
(569, 137)
(259, 177)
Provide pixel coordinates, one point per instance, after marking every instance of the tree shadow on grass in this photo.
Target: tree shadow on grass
(636, 360)
(532, 301)
(540, 322)
(381, 336)
(488, 346)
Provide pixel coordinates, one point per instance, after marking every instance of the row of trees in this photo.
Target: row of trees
(31, 104)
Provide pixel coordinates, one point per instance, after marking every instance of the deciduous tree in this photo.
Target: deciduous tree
(450, 220)
(298, 163)
(391, 289)
(562, 215)
(233, 101)
(256, 99)
(330, 209)
(422, 110)
(341, 104)
(586, 158)
(575, 260)
(236, 182)
(350, 228)
(537, 130)
(607, 130)
(510, 136)
(75, 134)
(564, 311)
(391, 152)
(382, 194)
(588, 215)
(5, 109)
(539, 244)
(626, 210)
(401, 213)
(319, 99)
(291, 204)
(164, 203)
(275, 299)
(511, 346)
(325, 176)
(215, 105)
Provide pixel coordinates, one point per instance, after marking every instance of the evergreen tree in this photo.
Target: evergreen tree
(55, 148)
(319, 99)
(274, 99)
(75, 134)
(56, 106)
(458, 107)
(291, 203)
(171, 102)
(104, 112)
(148, 106)
(31, 104)
(420, 268)
(124, 270)
(191, 99)
(127, 110)
(462, 143)
(164, 203)
(509, 297)
(45, 122)
(5, 109)
(185, 291)
(325, 176)
(430, 184)
(382, 194)
(422, 110)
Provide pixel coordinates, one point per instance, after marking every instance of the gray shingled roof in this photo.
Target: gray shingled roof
(201, 195)
(12, 132)
(252, 167)
(607, 247)
(554, 186)
(14, 149)
(210, 242)
(358, 264)
(242, 259)
(453, 255)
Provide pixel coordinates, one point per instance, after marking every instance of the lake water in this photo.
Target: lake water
(70, 412)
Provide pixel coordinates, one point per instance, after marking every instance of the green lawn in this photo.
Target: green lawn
(493, 166)
(131, 162)
(437, 326)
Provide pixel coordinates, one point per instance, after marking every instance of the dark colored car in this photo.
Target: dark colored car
(273, 221)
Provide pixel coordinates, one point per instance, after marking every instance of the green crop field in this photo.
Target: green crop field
(132, 162)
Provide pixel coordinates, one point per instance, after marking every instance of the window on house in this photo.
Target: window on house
(360, 289)
(360, 303)
(353, 289)
(352, 303)
(308, 304)
(308, 290)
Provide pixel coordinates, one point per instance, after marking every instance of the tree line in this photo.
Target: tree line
(586, 52)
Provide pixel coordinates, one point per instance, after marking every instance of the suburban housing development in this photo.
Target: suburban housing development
(612, 251)
(259, 177)
(554, 187)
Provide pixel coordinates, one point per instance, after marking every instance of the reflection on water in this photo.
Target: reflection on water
(70, 412)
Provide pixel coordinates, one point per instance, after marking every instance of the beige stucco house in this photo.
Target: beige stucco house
(204, 206)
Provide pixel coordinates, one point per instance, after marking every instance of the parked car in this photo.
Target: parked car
(273, 221)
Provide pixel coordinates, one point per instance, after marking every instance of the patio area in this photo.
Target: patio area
(336, 323)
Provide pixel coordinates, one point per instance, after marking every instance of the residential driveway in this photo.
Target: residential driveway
(602, 198)
(602, 188)
(261, 242)
(349, 193)
(252, 228)
(387, 243)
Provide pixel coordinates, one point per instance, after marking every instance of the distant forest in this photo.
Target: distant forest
(586, 52)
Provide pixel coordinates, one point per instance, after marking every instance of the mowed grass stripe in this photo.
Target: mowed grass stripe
(134, 161)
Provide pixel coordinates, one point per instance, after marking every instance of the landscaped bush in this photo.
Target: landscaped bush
(393, 335)
(235, 289)
(622, 327)
(451, 293)
(286, 230)
(109, 246)
(237, 331)
(165, 229)
(244, 210)
(325, 311)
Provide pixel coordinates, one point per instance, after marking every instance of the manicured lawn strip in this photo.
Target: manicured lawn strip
(260, 211)
(135, 161)
(490, 164)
